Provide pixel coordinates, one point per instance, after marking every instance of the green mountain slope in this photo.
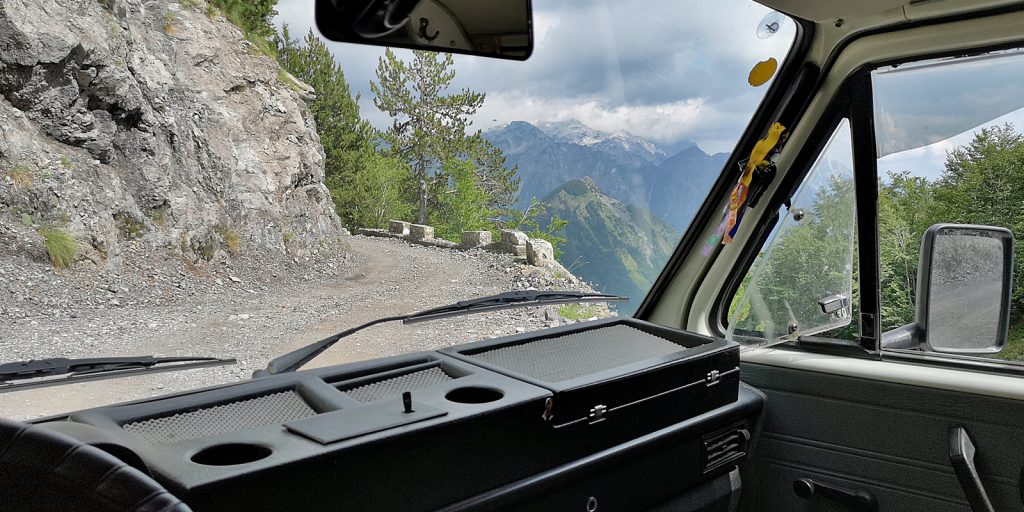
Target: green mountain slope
(618, 247)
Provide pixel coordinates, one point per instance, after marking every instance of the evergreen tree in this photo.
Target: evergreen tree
(367, 188)
(429, 125)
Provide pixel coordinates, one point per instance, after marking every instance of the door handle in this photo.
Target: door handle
(961, 454)
(857, 500)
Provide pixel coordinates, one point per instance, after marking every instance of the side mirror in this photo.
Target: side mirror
(964, 281)
(493, 28)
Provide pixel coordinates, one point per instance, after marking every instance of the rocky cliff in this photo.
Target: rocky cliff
(158, 123)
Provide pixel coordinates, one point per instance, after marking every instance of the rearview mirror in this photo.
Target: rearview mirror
(964, 282)
(491, 28)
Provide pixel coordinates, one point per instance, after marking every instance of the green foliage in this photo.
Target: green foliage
(357, 177)
(20, 175)
(538, 222)
(807, 262)
(287, 80)
(128, 227)
(575, 188)
(906, 207)
(429, 126)
(576, 312)
(498, 182)
(379, 190)
(66, 163)
(158, 215)
(231, 239)
(254, 17)
(190, 4)
(983, 183)
(61, 248)
(462, 205)
(170, 19)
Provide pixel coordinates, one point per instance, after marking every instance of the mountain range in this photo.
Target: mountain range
(624, 166)
(626, 198)
(617, 246)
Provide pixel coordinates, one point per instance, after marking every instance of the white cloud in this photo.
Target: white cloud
(661, 69)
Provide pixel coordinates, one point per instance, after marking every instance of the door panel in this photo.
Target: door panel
(887, 438)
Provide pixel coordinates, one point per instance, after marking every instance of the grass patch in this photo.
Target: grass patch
(576, 312)
(158, 215)
(66, 163)
(212, 12)
(128, 227)
(61, 248)
(559, 274)
(287, 80)
(232, 240)
(261, 45)
(1014, 349)
(169, 22)
(20, 175)
(190, 4)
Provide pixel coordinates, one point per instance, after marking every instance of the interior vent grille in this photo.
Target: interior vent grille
(394, 386)
(275, 408)
(725, 447)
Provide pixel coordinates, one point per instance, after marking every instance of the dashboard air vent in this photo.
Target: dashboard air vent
(725, 447)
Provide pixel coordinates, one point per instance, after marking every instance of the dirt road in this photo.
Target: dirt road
(255, 323)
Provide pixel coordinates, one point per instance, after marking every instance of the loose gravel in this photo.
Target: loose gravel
(252, 308)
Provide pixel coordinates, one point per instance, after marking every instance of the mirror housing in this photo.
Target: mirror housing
(964, 282)
(494, 28)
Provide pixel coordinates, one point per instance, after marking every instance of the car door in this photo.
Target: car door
(862, 413)
(822, 287)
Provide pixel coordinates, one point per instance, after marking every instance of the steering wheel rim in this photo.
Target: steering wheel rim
(40, 469)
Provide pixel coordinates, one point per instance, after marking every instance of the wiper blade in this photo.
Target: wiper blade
(508, 300)
(65, 370)
(297, 358)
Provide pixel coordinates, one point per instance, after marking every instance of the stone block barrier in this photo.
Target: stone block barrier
(536, 251)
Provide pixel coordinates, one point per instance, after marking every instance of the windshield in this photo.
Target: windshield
(210, 178)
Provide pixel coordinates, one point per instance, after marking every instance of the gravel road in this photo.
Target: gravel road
(250, 310)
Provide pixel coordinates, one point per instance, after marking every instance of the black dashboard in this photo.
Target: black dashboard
(616, 414)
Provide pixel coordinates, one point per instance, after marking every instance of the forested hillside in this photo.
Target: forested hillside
(982, 182)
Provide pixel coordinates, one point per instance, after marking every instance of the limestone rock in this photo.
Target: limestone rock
(398, 227)
(539, 252)
(421, 232)
(514, 242)
(151, 123)
(473, 239)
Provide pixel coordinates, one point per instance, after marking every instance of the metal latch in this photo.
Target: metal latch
(597, 414)
(712, 378)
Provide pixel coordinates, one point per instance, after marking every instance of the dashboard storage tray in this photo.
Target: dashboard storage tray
(616, 371)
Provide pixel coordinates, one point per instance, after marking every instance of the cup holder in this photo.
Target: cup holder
(231, 454)
(473, 395)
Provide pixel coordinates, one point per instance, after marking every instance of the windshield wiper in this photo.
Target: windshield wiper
(65, 370)
(297, 358)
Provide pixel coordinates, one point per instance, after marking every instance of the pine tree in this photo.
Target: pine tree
(429, 125)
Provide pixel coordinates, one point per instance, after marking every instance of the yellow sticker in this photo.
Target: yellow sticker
(763, 72)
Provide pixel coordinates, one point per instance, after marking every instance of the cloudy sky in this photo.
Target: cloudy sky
(662, 69)
(925, 109)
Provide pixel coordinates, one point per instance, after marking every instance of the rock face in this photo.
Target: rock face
(150, 121)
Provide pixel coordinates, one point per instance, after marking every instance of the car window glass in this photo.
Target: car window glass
(961, 162)
(802, 282)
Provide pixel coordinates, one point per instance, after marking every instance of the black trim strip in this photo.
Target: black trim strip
(865, 177)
